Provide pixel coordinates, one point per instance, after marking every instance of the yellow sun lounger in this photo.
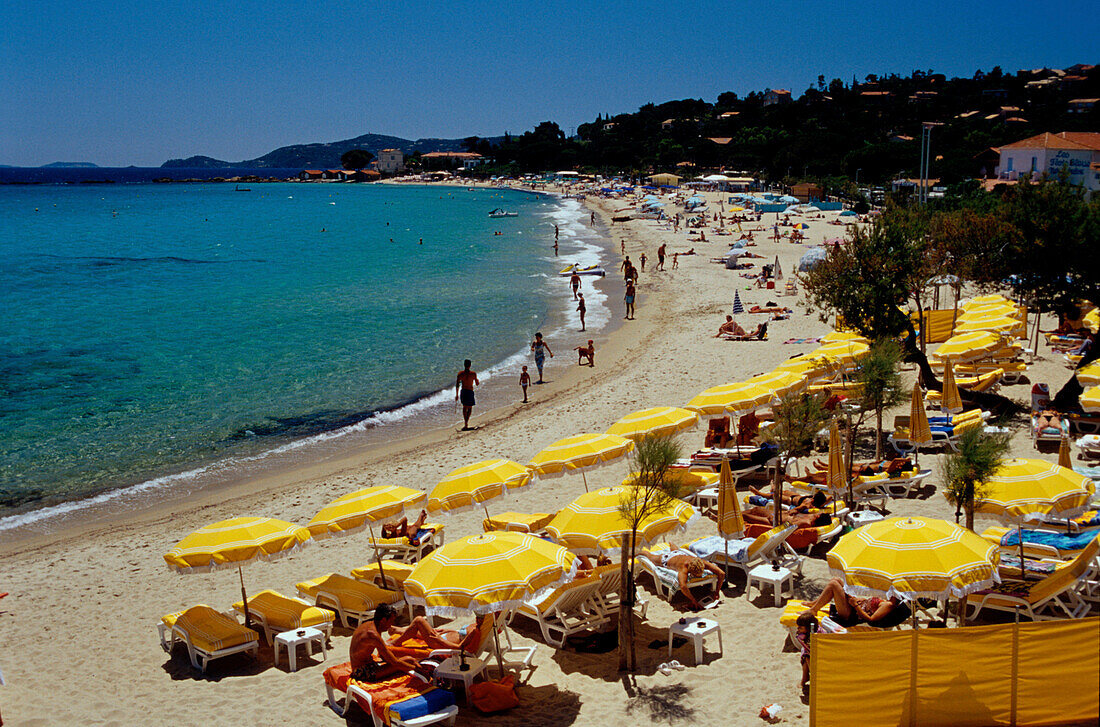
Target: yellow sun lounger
(1055, 596)
(410, 551)
(277, 613)
(207, 634)
(349, 598)
(391, 575)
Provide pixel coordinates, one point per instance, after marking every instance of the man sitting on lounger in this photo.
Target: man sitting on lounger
(850, 610)
(468, 638)
(687, 566)
(367, 641)
(730, 328)
(761, 516)
(403, 529)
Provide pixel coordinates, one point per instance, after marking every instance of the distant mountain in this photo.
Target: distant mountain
(322, 156)
(70, 165)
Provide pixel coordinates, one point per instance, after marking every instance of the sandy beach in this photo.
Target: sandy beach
(88, 600)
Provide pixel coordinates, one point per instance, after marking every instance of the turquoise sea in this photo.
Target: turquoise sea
(148, 329)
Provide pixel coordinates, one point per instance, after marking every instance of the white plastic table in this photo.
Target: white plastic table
(863, 517)
(696, 629)
(291, 640)
(449, 669)
(781, 581)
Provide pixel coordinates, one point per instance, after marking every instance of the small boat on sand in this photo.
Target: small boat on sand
(590, 270)
(498, 212)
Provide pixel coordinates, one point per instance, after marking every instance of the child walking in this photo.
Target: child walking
(524, 382)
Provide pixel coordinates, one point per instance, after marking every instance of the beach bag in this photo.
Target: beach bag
(491, 696)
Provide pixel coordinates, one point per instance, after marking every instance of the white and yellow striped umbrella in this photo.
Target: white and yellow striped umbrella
(731, 524)
(731, 399)
(476, 484)
(357, 510)
(1090, 400)
(810, 366)
(844, 352)
(234, 543)
(950, 399)
(579, 453)
(969, 346)
(833, 336)
(919, 430)
(660, 421)
(1089, 375)
(489, 572)
(1092, 320)
(1034, 489)
(780, 383)
(984, 301)
(917, 557)
(997, 324)
(593, 523)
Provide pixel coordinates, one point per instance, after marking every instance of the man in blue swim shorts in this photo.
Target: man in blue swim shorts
(464, 390)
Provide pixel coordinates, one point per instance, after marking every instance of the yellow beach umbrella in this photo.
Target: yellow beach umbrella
(780, 383)
(476, 484)
(358, 510)
(837, 478)
(235, 543)
(1034, 489)
(980, 301)
(660, 421)
(919, 430)
(1092, 320)
(731, 399)
(689, 481)
(950, 400)
(999, 324)
(731, 525)
(918, 557)
(489, 572)
(520, 522)
(1090, 400)
(579, 453)
(843, 351)
(1089, 375)
(969, 346)
(809, 366)
(593, 523)
(833, 336)
(1064, 455)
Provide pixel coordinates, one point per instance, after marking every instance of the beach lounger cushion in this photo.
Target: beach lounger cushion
(278, 613)
(395, 572)
(207, 634)
(350, 598)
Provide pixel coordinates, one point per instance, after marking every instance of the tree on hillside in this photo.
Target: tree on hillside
(653, 491)
(356, 159)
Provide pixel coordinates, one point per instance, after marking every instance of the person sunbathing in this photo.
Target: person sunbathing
(403, 529)
(1048, 419)
(687, 566)
(799, 500)
(762, 516)
(467, 638)
(367, 643)
(850, 610)
(586, 568)
(730, 327)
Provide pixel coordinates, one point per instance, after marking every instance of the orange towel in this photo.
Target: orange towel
(391, 691)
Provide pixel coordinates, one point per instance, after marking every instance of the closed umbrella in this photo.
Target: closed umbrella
(1063, 454)
(837, 477)
(738, 307)
(235, 543)
(919, 430)
(579, 453)
(950, 400)
(660, 421)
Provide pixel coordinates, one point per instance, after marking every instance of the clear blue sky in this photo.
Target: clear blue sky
(125, 82)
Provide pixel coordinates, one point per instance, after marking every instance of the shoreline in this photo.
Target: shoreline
(319, 453)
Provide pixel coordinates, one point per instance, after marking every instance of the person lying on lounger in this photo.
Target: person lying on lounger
(467, 638)
(1048, 419)
(404, 529)
(687, 565)
(761, 516)
(796, 500)
(367, 643)
(850, 610)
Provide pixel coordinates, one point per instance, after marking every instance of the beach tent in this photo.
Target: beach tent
(670, 180)
(716, 178)
(789, 199)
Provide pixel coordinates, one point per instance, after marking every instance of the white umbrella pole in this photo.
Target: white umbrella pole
(244, 598)
(377, 556)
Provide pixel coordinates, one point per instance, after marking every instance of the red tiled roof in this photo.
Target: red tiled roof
(723, 140)
(1064, 140)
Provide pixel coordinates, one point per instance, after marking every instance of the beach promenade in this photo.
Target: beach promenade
(85, 604)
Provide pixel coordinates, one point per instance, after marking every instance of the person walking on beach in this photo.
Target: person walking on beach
(642, 261)
(629, 298)
(464, 389)
(581, 308)
(524, 382)
(575, 283)
(540, 349)
(661, 257)
(675, 260)
(626, 264)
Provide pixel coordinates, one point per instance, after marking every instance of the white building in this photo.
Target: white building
(390, 161)
(1078, 152)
